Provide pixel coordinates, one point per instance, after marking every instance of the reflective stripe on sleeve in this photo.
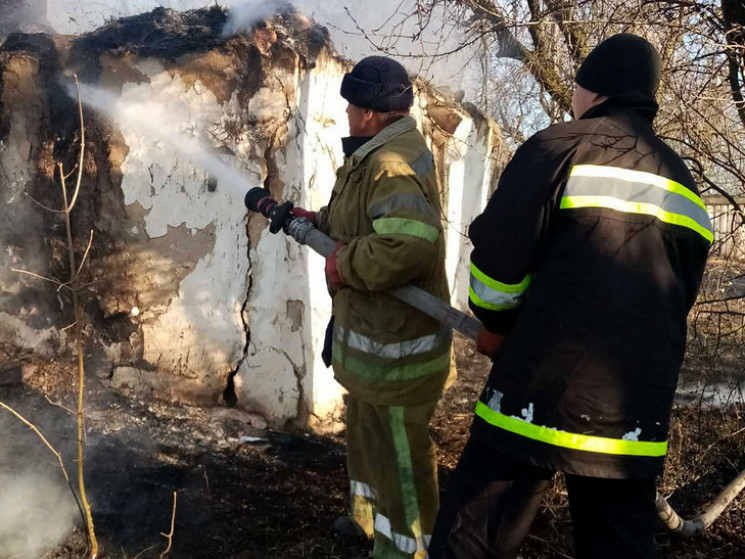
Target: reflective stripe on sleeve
(362, 490)
(637, 192)
(402, 226)
(565, 439)
(493, 295)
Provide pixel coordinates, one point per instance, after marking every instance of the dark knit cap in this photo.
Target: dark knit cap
(378, 83)
(621, 63)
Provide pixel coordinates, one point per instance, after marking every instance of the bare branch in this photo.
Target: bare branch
(82, 148)
(37, 276)
(47, 208)
(58, 405)
(169, 535)
(85, 255)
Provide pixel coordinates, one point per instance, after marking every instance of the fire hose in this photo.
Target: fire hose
(302, 230)
(280, 217)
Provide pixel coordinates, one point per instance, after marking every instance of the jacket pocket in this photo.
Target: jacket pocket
(377, 315)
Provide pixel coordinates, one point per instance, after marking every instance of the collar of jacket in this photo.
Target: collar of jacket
(350, 144)
(634, 101)
(388, 133)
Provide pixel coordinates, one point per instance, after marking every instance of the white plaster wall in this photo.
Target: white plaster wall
(470, 188)
(323, 122)
(200, 331)
(457, 225)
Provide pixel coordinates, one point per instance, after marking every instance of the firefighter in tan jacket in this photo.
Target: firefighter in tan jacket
(393, 360)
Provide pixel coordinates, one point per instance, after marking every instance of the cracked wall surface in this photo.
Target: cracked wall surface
(187, 291)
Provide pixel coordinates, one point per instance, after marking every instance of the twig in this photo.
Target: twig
(169, 535)
(708, 448)
(68, 175)
(85, 255)
(54, 451)
(57, 404)
(37, 276)
(44, 207)
(144, 551)
(82, 151)
(68, 326)
(207, 482)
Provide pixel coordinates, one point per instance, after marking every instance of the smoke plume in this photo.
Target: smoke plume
(36, 514)
(360, 29)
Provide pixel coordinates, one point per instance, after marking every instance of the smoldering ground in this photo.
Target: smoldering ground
(37, 510)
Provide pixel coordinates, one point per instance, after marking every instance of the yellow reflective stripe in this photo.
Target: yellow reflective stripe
(602, 171)
(644, 208)
(407, 483)
(564, 439)
(498, 285)
(479, 302)
(403, 226)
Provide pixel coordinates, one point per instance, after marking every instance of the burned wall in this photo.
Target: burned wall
(187, 294)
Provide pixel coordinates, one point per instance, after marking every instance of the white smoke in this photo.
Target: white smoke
(429, 47)
(36, 513)
(244, 16)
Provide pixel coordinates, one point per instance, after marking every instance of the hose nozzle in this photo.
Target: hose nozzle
(259, 200)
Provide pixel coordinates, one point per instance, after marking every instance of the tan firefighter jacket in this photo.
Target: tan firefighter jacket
(385, 207)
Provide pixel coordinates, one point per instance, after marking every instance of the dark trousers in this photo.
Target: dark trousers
(491, 501)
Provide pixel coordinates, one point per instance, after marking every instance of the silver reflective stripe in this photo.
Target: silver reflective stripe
(402, 542)
(499, 299)
(398, 201)
(396, 350)
(423, 164)
(633, 191)
(362, 489)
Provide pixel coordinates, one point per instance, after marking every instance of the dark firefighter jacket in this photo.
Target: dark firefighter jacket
(385, 207)
(589, 254)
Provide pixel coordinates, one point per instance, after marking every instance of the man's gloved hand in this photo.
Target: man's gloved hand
(332, 272)
(489, 343)
(297, 211)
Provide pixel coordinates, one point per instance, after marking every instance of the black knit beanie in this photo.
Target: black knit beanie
(621, 63)
(378, 83)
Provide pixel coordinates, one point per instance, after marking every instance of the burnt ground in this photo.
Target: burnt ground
(278, 496)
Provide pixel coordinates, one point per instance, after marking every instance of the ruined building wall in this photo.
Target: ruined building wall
(187, 291)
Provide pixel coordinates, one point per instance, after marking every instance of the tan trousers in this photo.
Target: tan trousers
(392, 467)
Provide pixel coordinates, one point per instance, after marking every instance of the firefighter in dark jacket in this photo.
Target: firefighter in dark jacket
(586, 262)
